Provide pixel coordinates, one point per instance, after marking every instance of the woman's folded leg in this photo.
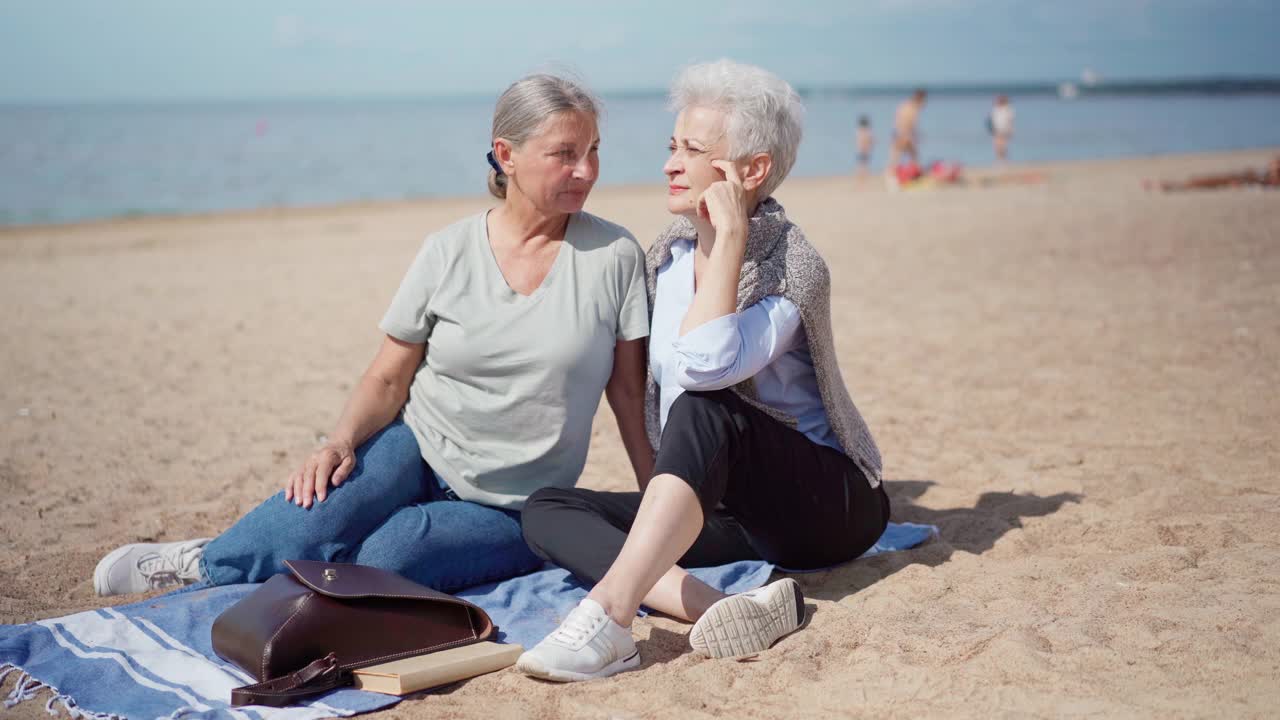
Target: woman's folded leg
(583, 531)
(800, 504)
(389, 474)
(449, 545)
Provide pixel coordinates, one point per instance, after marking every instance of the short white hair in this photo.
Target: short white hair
(763, 114)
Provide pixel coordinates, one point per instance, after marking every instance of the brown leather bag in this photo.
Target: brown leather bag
(303, 632)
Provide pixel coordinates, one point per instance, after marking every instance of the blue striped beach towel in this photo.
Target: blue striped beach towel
(154, 658)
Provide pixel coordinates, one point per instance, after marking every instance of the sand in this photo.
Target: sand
(1076, 381)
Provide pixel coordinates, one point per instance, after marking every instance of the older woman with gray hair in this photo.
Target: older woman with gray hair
(468, 406)
(761, 453)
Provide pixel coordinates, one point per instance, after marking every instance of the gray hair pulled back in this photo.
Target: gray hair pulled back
(527, 104)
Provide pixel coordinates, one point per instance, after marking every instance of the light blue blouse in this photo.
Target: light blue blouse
(765, 341)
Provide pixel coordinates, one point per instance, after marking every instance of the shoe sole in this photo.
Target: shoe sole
(533, 668)
(102, 570)
(739, 627)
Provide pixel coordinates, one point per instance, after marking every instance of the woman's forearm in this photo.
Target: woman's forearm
(717, 292)
(373, 404)
(381, 392)
(628, 409)
(625, 393)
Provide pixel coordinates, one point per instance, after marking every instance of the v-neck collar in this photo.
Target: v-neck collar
(547, 279)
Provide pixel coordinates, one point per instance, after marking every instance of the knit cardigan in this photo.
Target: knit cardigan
(779, 261)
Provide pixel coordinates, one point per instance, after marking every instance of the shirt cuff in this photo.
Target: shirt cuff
(710, 348)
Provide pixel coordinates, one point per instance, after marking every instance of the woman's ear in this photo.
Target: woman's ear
(502, 150)
(758, 168)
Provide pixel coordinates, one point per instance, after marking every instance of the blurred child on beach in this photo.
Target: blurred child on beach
(1000, 125)
(864, 140)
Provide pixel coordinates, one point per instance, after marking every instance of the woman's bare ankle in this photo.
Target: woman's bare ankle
(612, 607)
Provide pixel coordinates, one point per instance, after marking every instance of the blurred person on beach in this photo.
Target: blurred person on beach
(1000, 125)
(906, 135)
(761, 453)
(1268, 177)
(864, 141)
(468, 406)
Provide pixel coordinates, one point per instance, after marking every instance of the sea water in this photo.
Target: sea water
(77, 162)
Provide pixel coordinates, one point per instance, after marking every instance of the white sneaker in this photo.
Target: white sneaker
(586, 646)
(748, 623)
(149, 566)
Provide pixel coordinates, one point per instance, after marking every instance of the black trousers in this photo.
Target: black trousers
(767, 493)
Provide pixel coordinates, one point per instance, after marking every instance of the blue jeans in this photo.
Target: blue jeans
(391, 513)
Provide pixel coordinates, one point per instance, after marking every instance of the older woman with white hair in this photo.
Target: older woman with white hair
(761, 453)
(505, 331)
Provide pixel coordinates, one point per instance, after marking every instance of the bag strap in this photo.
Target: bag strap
(318, 677)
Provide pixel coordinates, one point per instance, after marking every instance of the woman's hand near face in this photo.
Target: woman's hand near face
(724, 204)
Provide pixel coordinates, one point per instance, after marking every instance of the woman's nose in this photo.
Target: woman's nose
(671, 166)
(586, 168)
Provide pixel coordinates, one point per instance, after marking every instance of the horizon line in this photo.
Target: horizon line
(1194, 84)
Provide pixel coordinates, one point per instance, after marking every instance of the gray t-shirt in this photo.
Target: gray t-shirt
(503, 402)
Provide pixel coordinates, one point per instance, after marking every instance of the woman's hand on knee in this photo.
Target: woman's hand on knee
(331, 463)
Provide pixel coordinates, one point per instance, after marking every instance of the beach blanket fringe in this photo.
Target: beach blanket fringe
(27, 687)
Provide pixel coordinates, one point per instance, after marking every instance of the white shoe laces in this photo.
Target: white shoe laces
(577, 627)
(174, 566)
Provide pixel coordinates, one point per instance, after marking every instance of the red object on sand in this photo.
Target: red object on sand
(907, 172)
(945, 171)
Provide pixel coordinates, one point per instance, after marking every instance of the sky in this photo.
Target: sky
(162, 50)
